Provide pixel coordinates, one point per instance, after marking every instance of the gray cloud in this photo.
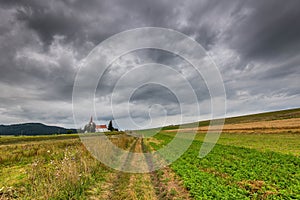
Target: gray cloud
(255, 44)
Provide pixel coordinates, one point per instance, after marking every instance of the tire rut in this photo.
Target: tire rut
(132, 186)
(122, 179)
(164, 180)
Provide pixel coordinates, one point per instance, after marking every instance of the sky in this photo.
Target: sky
(255, 45)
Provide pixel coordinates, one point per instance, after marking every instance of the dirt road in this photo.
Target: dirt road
(160, 184)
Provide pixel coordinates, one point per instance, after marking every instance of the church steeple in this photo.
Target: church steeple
(91, 120)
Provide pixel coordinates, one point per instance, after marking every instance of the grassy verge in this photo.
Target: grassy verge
(284, 143)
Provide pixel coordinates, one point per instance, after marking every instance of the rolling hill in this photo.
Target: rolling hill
(33, 129)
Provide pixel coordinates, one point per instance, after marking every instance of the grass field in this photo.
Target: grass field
(256, 157)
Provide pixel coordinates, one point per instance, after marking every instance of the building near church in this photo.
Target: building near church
(101, 128)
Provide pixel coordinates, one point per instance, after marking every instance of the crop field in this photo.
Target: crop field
(256, 157)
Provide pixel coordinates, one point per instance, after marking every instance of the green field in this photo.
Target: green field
(237, 169)
(261, 164)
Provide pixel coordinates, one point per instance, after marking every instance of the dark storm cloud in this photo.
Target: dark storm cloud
(48, 18)
(152, 93)
(49, 23)
(254, 43)
(270, 31)
(91, 21)
(269, 27)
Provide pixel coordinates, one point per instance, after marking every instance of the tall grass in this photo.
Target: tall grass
(56, 168)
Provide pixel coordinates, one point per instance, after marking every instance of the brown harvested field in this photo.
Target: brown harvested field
(274, 126)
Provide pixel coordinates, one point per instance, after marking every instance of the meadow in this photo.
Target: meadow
(257, 162)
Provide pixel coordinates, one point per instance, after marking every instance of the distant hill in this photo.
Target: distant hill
(33, 129)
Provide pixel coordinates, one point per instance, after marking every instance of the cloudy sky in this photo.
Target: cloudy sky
(255, 45)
